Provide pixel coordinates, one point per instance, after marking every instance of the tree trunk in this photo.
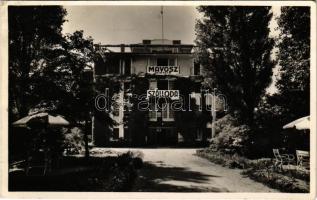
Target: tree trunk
(250, 116)
(86, 139)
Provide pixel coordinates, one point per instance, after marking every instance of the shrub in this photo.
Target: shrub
(261, 170)
(299, 174)
(137, 154)
(262, 163)
(124, 172)
(276, 180)
(125, 159)
(224, 123)
(239, 162)
(74, 142)
(138, 163)
(231, 137)
(232, 161)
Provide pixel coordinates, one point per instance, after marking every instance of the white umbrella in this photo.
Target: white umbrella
(47, 119)
(300, 124)
(52, 120)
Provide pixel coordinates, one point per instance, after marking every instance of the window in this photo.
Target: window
(185, 50)
(161, 50)
(113, 66)
(162, 62)
(164, 111)
(165, 62)
(126, 133)
(127, 67)
(196, 68)
(153, 112)
(196, 98)
(171, 62)
(167, 112)
(165, 84)
(162, 84)
(171, 85)
(171, 112)
(199, 135)
(115, 134)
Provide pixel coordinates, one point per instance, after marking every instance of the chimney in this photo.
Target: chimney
(176, 42)
(146, 41)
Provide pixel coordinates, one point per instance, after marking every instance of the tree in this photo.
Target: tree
(64, 85)
(137, 119)
(50, 71)
(32, 30)
(294, 59)
(111, 87)
(234, 48)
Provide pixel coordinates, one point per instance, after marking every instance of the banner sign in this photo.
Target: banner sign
(172, 94)
(163, 70)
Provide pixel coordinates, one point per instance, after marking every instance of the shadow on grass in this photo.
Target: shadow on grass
(77, 174)
(161, 178)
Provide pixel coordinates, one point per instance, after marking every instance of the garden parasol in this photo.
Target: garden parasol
(300, 124)
(50, 119)
(43, 120)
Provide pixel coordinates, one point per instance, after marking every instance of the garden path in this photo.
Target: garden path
(179, 170)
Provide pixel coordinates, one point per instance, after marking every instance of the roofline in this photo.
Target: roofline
(147, 53)
(145, 45)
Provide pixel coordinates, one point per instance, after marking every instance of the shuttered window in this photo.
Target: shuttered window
(167, 112)
(153, 112)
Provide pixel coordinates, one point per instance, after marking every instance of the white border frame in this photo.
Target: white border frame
(154, 195)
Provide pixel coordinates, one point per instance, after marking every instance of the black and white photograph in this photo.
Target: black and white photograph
(160, 98)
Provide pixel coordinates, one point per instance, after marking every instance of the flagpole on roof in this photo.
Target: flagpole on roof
(162, 17)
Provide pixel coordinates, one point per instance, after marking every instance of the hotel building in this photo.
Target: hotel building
(167, 66)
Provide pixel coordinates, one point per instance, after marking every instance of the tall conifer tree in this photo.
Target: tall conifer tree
(234, 48)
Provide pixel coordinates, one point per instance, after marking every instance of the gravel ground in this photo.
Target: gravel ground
(179, 170)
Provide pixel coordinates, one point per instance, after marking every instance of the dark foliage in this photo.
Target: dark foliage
(137, 120)
(292, 100)
(189, 119)
(33, 32)
(73, 143)
(49, 71)
(261, 170)
(232, 137)
(294, 59)
(81, 174)
(235, 50)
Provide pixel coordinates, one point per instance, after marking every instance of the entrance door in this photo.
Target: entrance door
(166, 137)
(161, 137)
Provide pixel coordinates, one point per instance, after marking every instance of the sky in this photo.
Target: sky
(132, 24)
